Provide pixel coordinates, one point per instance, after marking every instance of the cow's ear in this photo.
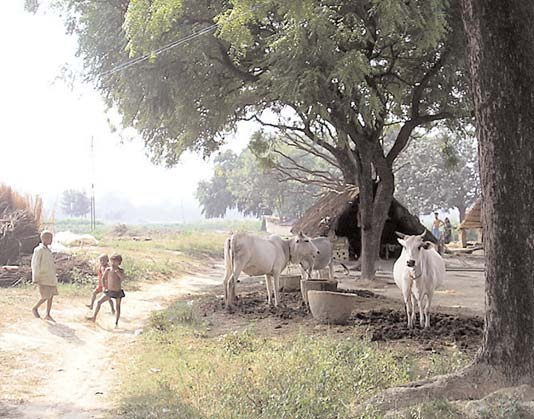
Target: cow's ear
(427, 245)
(402, 242)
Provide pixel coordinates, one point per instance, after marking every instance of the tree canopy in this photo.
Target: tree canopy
(336, 72)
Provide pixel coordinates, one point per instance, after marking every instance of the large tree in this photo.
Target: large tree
(501, 52)
(501, 46)
(334, 71)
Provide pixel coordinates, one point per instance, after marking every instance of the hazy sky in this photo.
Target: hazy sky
(46, 128)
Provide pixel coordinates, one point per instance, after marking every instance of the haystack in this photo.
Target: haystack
(472, 221)
(20, 219)
(337, 212)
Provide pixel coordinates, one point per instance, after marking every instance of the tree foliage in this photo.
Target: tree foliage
(75, 203)
(242, 182)
(335, 71)
(438, 171)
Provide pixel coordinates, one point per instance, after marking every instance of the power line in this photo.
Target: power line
(160, 50)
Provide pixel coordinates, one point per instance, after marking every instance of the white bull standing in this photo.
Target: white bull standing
(255, 255)
(418, 272)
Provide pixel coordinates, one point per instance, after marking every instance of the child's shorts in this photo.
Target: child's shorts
(115, 294)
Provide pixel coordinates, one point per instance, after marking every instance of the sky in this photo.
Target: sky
(46, 128)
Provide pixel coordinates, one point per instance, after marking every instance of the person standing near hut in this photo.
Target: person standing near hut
(447, 231)
(436, 224)
(44, 274)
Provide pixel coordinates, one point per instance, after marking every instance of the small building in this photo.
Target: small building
(472, 221)
(277, 225)
(337, 214)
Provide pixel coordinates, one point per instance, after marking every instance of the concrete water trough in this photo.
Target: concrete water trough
(289, 283)
(316, 285)
(331, 307)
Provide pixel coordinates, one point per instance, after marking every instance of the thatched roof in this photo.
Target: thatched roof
(473, 217)
(319, 219)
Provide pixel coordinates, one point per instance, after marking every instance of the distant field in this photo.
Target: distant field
(82, 226)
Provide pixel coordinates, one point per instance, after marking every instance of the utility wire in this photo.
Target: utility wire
(159, 51)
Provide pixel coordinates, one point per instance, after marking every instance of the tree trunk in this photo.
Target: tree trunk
(374, 208)
(501, 48)
(461, 211)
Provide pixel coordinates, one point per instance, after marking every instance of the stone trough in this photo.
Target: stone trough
(331, 307)
(316, 285)
(289, 283)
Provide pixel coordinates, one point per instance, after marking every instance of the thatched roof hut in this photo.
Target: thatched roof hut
(20, 218)
(337, 212)
(473, 219)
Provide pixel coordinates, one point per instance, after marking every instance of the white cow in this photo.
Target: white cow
(418, 272)
(262, 256)
(321, 261)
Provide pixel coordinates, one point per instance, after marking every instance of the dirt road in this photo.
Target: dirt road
(66, 369)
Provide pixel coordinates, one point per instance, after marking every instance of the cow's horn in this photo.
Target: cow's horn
(423, 234)
(401, 235)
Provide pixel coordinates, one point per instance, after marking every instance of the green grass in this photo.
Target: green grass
(181, 372)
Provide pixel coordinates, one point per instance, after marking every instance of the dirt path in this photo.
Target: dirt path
(65, 369)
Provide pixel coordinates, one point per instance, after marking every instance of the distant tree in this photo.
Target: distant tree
(214, 195)
(75, 203)
(253, 188)
(438, 171)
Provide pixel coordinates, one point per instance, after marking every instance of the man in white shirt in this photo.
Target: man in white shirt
(44, 274)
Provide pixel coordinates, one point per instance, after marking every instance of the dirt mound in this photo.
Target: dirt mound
(386, 324)
(253, 305)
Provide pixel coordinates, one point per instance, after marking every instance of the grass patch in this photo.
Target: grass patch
(435, 409)
(180, 372)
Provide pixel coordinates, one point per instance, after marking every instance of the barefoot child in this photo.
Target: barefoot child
(44, 274)
(104, 264)
(113, 277)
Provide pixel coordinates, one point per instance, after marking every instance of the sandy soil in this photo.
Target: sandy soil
(66, 369)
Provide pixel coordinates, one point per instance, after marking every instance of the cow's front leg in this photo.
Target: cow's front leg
(428, 300)
(268, 284)
(276, 286)
(420, 303)
(408, 302)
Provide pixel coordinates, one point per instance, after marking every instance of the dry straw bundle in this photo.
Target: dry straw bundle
(20, 222)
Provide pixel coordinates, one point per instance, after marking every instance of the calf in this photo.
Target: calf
(321, 261)
(418, 272)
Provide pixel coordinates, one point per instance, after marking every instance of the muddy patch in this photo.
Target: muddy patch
(374, 317)
(253, 305)
(387, 324)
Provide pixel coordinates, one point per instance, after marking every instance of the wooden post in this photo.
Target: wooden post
(463, 237)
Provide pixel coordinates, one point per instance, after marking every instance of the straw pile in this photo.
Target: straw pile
(20, 220)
